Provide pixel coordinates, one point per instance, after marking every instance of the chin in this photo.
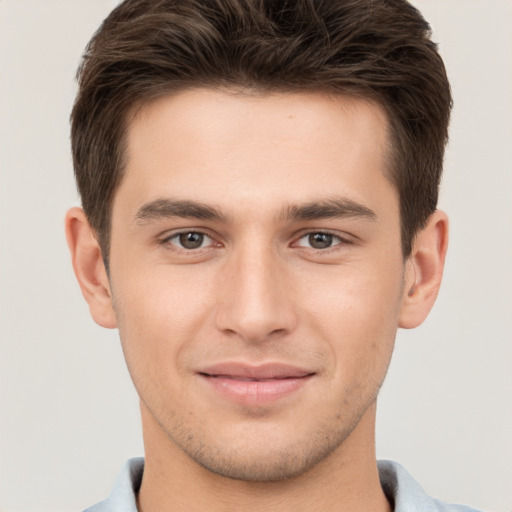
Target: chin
(273, 468)
(264, 459)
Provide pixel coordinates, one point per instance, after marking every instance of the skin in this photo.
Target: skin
(299, 263)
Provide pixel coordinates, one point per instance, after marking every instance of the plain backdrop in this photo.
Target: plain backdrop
(68, 413)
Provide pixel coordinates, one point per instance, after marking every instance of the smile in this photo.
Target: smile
(250, 385)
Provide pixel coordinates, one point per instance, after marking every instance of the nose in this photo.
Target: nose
(255, 296)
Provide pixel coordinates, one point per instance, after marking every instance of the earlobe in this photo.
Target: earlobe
(89, 267)
(424, 271)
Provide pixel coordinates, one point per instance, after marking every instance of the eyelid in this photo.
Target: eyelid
(166, 238)
(342, 239)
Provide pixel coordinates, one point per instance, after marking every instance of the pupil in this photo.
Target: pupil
(320, 240)
(191, 240)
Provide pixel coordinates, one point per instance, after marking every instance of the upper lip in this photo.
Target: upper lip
(267, 371)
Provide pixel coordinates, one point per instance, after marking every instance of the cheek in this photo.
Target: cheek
(356, 310)
(159, 315)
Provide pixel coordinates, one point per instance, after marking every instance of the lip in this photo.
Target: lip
(255, 385)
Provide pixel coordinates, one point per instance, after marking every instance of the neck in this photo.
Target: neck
(346, 480)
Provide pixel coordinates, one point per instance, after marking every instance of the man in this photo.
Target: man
(259, 184)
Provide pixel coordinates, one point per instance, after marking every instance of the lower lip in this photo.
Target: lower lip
(255, 392)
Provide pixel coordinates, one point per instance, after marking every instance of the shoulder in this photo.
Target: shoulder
(407, 495)
(124, 492)
(399, 486)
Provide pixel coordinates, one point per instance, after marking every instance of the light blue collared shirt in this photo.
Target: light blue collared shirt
(398, 485)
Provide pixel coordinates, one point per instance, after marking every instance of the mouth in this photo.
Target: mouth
(255, 385)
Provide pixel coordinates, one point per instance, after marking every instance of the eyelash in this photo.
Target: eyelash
(175, 247)
(336, 241)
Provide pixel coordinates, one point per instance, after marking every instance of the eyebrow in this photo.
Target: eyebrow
(314, 210)
(167, 208)
(329, 209)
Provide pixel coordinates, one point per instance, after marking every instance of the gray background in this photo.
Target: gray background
(68, 413)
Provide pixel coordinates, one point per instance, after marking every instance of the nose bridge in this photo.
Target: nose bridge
(255, 301)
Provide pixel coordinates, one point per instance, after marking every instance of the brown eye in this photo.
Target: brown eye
(320, 240)
(190, 240)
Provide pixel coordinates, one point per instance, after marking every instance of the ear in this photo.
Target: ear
(89, 268)
(424, 270)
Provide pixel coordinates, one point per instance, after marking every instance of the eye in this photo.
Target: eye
(319, 240)
(190, 240)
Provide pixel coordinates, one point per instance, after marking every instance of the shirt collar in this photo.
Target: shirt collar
(404, 493)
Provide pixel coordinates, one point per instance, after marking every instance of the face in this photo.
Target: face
(257, 274)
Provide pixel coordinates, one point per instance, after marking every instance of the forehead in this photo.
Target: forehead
(284, 146)
(214, 114)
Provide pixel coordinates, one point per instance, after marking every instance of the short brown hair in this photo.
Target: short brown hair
(378, 49)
